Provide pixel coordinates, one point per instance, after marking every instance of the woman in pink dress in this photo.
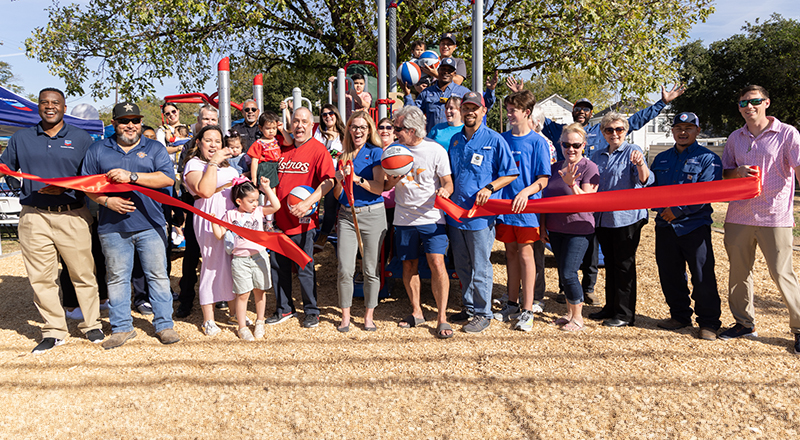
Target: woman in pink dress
(208, 176)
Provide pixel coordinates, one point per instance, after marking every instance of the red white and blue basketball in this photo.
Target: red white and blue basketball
(300, 193)
(429, 58)
(397, 160)
(409, 73)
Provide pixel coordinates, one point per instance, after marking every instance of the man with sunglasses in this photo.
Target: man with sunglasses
(683, 233)
(132, 222)
(55, 220)
(767, 220)
(248, 129)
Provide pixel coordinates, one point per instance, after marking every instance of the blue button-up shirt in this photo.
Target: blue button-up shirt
(34, 152)
(477, 162)
(432, 100)
(594, 136)
(618, 172)
(694, 164)
(147, 157)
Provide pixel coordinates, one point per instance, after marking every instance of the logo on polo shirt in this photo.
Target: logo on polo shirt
(141, 154)
(68, 144)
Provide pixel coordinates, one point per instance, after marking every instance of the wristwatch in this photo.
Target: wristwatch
(134, 177)
(490, 187)
(362, 180)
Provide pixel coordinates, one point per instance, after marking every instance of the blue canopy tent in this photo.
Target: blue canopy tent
(17, 113)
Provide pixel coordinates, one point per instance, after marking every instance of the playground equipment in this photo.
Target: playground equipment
(342, 83)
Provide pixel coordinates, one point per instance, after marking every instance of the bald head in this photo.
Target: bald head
(302, 125)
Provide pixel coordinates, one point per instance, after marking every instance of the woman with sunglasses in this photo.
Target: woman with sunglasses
(168, 133)
(361, 146)
(622, 166)
(570, 234)
(330, 133)
(444, 132)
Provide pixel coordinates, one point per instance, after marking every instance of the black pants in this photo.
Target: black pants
(673, 253)
(282, 277)
(191, 258)
(619, 249)
(331, 205)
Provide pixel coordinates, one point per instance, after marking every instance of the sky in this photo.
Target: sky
(22, 16)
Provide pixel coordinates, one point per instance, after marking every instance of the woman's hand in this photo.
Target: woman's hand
(569, 174)
(637, 158)
(221, 155)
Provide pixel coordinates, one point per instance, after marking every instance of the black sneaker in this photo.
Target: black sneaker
(222, 305)
(737, 331)
(797, 343)
(95, 336)
(311, 321)
(183, 311)
(278, 318)
(461, 316)
(47, 344)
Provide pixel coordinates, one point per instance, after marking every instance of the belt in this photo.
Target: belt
(61, 208)
(368, 208)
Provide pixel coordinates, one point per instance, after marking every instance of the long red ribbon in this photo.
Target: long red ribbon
(622, 200)
(347, 187)
(98, 183)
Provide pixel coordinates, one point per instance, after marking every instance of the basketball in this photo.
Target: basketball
(429, 58)
(409, 73)
(397, 160)
(298, 194)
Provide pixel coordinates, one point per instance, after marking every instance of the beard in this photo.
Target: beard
(128, 140)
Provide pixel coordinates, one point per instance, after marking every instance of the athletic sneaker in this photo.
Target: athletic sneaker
(95, 336)
(500, 301)
(797, 343)
(505, 314)
(477, 324)
(278, 318)
(233, 321)
(245, 334)
(737, 331)
(538, 306)
(47, 344)
(259, 331)
(210, 328)
(75, 314)
(311, 321)
(464, 315)
(525, 321)
(145, 308)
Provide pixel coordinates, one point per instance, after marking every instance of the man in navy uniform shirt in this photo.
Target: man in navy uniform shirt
(132, 221)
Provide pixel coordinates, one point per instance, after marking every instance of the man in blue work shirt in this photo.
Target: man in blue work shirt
(131, 222)
(55, 220)
(482, 164)
(683, 233)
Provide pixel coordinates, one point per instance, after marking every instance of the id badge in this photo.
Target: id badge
(477, 159)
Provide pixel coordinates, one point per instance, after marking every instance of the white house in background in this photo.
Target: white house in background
(557, 109)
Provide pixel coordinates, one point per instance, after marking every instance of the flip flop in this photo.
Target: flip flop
(561, 321)
(572, 326)
(442, 328)
(410, 321)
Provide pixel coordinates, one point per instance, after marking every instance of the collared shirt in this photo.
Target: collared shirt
(694, 164)
(777, 151)
(368, 157)
(476, 163)
(148, 156)
(432, 100)
(618, 172)
(594, 135)
(248, 134)
(32, 151)
(532, 157)
(443, 133)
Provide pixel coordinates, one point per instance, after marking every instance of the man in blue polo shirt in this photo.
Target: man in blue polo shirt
(55, 220)
(482, 164)
(683, 233)
(131, 222)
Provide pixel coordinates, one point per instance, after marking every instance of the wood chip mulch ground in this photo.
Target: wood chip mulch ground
(637, 383)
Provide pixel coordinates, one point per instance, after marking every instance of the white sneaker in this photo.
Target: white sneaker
(505, 315)
(245, 334)
(525, 322)
(210, 328)
(538, 306)
(260, 331)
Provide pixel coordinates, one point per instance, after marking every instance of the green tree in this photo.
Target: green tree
(628, 44)
(765, 54)
(7, 78)
(150, 107)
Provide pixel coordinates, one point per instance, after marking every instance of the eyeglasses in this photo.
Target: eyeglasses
(398, 129)
(610, 130)
(173, 112)
(567, 145)
(755, 102)
(250, 110)
(385, 127)
(581, 109)
(359, 127)
(126, 121)
(326, 114)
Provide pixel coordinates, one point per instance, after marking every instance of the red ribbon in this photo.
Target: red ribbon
(622, 200)
(98, 183)
(348, 181)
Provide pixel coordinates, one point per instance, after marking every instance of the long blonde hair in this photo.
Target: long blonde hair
(348, 148)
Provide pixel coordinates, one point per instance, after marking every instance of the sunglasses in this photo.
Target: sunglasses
(610, 130)
(754, 102)
(250, 110)
(385, 127)
(126, 121)
(567, 145)
(173, 112)
(398, 129)
(326, 114)
(581, 109)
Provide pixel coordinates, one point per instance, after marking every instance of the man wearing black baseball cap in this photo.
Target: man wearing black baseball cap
(448, 45)
(683, 233)
(132, 222)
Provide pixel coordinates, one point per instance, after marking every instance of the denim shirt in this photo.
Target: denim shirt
(432, 100)
(694, 164)
(618, 172)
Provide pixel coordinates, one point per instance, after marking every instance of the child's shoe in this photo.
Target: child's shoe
(260, 330)
(245, 334)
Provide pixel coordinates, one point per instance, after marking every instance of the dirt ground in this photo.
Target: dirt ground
(637, 383)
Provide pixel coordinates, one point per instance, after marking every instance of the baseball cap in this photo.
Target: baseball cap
(125, 109)
(686, 118)
(448, 61)
(584, 101)
(450, 36)
(473, 98)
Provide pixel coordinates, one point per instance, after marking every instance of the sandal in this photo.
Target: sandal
(561, 321)
(411, 321)
(572, 326)
(442, 329)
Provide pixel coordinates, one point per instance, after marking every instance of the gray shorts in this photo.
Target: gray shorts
(250, 273)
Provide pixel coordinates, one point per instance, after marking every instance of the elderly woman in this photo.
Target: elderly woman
(361, 146)
(444, 132)
(621, 166)
(570, 234)
(208, 175)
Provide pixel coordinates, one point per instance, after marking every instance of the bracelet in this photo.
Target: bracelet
(213, 164)
(106, 203)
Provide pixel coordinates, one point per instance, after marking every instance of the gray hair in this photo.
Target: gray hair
(537, 116)
(207, 108)
(613, 117)
(413, 119)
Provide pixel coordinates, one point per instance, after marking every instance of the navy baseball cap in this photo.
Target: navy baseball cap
(583, 101)
(473, 98)
(448, 61)
(449, 36)
(686, 118)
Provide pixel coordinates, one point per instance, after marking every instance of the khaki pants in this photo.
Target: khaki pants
(776, 245)
(43, 236)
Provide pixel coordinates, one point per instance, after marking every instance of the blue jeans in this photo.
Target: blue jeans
(569, 250)
(471, 253)
(119, 248)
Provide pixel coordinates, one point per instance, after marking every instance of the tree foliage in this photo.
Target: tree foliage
(627, 44)
(7, 78)
(150, 107)
(766, 54)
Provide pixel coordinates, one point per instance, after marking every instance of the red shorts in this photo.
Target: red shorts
(516, 234)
